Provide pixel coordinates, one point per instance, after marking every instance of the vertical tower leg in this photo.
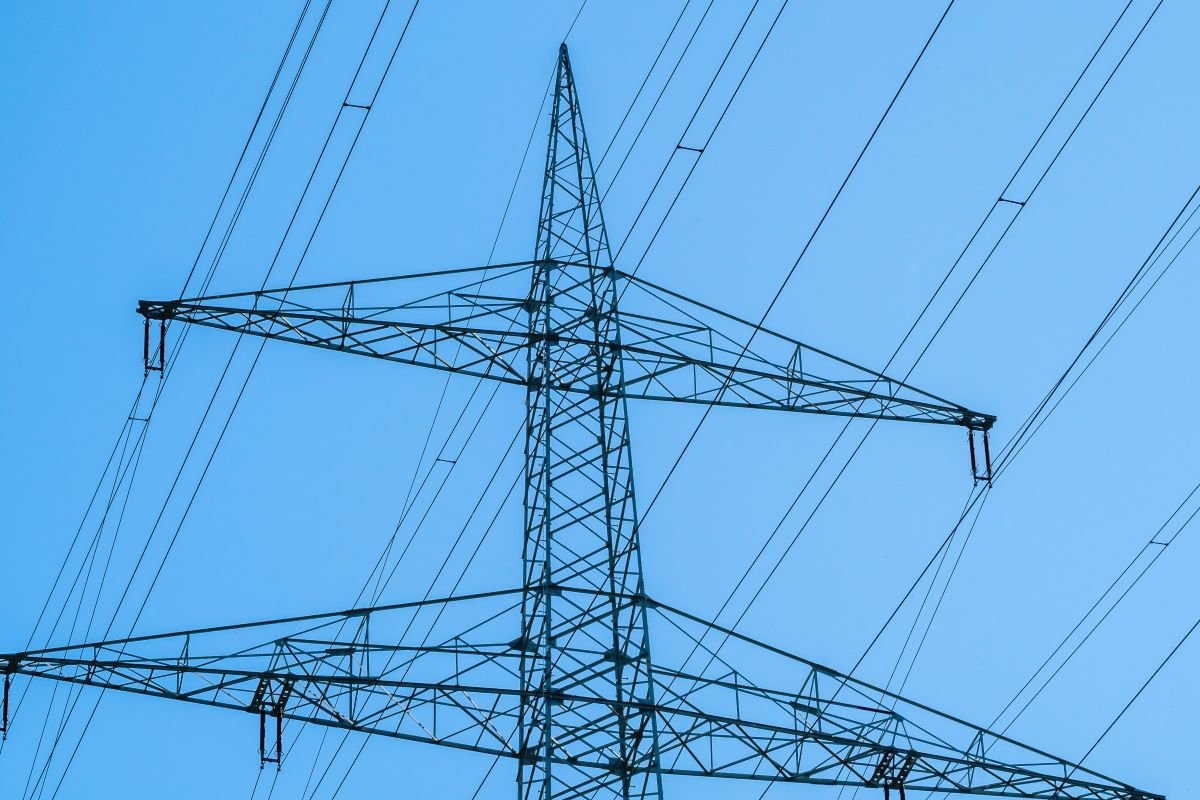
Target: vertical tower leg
(581, 528)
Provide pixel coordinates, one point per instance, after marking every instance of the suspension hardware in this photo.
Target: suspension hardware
(152, 364)
(266, 706)
(985, 474)
(4, 712)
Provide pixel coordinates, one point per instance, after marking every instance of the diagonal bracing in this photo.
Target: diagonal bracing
(354, 670)
(473, 321)
(562, 675)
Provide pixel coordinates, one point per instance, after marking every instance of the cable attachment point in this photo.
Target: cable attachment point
(155, 364)
(4, 712)
(978, 475)
(891, 772)
(267, 704)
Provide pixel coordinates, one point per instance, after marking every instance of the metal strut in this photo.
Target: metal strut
(575, 700)
(4, 714)
(263, 757)
(891, 774)
(265, 708)
(984, 475)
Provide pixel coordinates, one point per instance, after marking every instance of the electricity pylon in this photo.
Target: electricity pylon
(575, 694)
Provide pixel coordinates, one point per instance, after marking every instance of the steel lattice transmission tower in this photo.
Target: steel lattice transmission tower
(561, 674)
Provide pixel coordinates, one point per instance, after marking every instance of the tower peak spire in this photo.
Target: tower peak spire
(571, 227)
(572, 697)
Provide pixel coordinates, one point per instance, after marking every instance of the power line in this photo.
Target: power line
(645, 80)
(912, 328)
(579, 160)
(803, 251)
(724, 61)
(653, 106)
(699, 151)
(132, 415)
(757, 327)
(1003, 199)
(324, 208)
(380, 566)
(147, 415)
(1152, 545)
(1021, 206)
(1141, 689)
(706, 95)
(1027, 430)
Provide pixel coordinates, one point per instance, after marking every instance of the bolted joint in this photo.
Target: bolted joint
(547, 588)
(533, 304)
(621, 658)
(882, 768)
(643, 600)
(523, 644)
(8, 673)
(981, 469)
(891, 772)
(805, 708)
(618, 767)
(158, 309)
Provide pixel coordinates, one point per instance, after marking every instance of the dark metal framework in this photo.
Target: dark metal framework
(573, 696)
(371, 670)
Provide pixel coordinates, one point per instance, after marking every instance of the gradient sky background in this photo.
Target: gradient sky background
(123, 121)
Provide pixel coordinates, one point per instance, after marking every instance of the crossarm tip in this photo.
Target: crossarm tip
(157, 309)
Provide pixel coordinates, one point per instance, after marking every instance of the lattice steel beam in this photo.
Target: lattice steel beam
(559, 676)
(354, 670)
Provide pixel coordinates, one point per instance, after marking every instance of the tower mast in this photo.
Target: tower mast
(575, 699)
(581, 523)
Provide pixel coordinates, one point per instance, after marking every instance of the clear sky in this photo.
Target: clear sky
(123, 121)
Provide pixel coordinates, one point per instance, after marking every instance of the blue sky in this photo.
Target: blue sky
(124, 121)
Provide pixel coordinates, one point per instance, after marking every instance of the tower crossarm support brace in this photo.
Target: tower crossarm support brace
(561, 676)
(824, 728)
(672, 349)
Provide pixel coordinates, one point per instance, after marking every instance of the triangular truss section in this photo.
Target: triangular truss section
(570, 675)
(475, 321)
(742, 710)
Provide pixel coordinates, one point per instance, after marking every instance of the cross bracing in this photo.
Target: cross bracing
(353, 670)
(474, 321)
(569, 675)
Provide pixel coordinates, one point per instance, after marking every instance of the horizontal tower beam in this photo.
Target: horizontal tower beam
(673, 349)
(346, 670)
